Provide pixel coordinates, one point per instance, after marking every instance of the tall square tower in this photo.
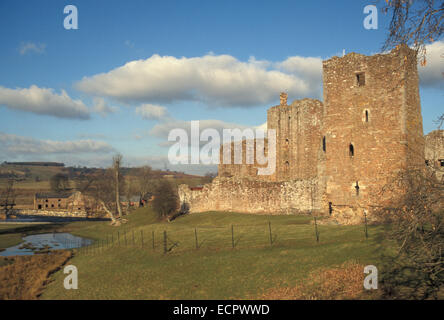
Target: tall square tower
(372, 126)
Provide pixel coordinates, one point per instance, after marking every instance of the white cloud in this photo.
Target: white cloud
(101, 107)
(43, 101)
(91, 136)
(30, 47)
(432, 74)
(152, 112)
(220, 80)
(308, 68)
(12, 145)
(162, 130)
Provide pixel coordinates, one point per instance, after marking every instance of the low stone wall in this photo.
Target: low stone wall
(52, 213)
(253, 196)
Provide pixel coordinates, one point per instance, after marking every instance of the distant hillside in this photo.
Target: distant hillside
(43, 171)
(41, 164)
(24, 171)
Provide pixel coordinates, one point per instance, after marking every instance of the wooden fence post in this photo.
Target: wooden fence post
(316, 230)
(232, 236)
(271, 235)
(365, 222)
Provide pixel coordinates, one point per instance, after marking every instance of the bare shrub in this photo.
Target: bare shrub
(414, 270)
(166, 200)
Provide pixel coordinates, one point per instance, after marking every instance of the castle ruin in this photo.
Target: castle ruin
(332, 157)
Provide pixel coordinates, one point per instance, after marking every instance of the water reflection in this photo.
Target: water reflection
(42, 243)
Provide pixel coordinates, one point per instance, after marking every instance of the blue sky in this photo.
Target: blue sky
(90, 123)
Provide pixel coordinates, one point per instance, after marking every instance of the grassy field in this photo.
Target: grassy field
(119, 269)
(8, 236)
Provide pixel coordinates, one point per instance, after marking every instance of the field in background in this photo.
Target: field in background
(32, 179)
(216, 270)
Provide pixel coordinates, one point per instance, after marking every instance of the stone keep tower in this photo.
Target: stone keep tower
(297, 138)
(372, 126)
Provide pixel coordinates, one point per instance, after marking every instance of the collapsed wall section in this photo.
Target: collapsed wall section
(253, 196)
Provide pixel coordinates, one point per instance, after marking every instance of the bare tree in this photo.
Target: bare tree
(117, 162)
(145, 183)
(414, 23)
(166, 200)
(416, 269)
(131, 188)
(440, 121)
(7, 199)
(59, 182)
(100, 187)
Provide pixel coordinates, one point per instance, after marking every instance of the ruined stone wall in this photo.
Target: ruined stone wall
(298, 138)
(298, 141)
(252, 196)
(434, 153)
(372, 125)
(244, 169)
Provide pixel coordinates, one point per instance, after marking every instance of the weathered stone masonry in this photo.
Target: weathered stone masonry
(252, 196)
(332, 157)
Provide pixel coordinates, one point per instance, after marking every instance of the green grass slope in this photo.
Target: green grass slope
(120, 266)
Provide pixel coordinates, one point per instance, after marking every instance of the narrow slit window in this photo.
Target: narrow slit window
(330, 208)
(360, 79)
(366, 115)
(357, 188)
(351, 150)
(324, 146)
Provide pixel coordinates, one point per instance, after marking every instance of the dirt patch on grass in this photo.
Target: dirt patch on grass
(24, 277)
(341, 283)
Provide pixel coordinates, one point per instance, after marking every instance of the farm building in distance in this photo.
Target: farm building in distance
(71, 202)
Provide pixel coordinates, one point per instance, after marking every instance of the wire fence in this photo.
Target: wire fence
(227, 237)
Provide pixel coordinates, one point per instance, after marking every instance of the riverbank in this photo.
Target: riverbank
(12, 234)
(24, 277)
